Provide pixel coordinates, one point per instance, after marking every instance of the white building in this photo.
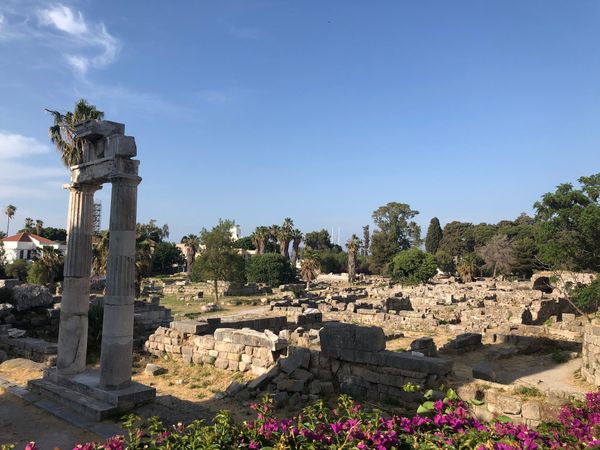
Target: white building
(25, 245)
(236, 232)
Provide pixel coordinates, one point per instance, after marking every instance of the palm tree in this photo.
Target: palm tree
(62, 132)
(10, 213)
(353, 245)
(309, 266)
(192, 244)
(28, 224)
(51, 261)
(297, 237)
(100, 252)
(284, 236)
(39, 227)
(144, 252)
(467, 266)
(260, 238)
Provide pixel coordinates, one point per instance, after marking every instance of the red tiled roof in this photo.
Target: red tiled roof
(27, 237)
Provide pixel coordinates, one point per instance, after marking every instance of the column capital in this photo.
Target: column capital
(88, 188)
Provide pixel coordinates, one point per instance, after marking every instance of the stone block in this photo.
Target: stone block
(190, 326)
(154, 370)
(484, 371)
(509, 405)
(28, 296)
(221, 363)
(531, 410)
(301, 374)
(338, 336)
(205, 342)
(295, 359)
(290, 385)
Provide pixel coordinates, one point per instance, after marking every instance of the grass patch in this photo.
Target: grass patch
(528, 392)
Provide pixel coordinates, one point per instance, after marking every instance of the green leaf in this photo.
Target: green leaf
(451, 394)
(422, 410)
(428, 394)
(477, 402)
(503, 419)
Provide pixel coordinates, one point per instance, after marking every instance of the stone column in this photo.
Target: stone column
(72, 334)
(117, 330)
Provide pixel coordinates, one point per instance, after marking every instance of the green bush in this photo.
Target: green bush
(587, 297)
(445, 262)
(333, 261)
(270, 268)
(413, 266)
(17, 269)
(230, 268)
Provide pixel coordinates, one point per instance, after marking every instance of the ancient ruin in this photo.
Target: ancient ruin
(107, 158)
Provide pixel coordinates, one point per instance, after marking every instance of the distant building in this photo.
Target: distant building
(236, 232)
(25, 245)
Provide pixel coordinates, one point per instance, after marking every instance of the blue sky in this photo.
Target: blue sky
(322, 111)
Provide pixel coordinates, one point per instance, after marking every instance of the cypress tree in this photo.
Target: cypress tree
(434, 236)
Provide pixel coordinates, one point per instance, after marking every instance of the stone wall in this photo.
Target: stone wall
(26, 347)
(198, 290)
(590, 365)
(346, 359)
(497, 400)
(236, 350)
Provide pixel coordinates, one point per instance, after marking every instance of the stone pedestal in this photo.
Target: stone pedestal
(117, 330)
(72, 336)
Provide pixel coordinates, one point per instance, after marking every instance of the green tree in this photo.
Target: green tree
(413, 266)
(165, 256)
(2, 260)
(218, 261)
(17, 269)
(318, 240)
(62, 131)
(569, 232)
(55, 234)
(152, 231)
(270, 268)
(434, 236)
(467, 267)
(334, 260)
(587, 297)
(10, 211)
(284, 235)
(245, 243)
(260, 237)
(445, 262)
(457, 239)
(396, 231)
(28, 225)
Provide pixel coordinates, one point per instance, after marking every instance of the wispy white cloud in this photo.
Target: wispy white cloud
(63, 18)
(23, 173)
(95, 46)
(14, 146)
(83, 44)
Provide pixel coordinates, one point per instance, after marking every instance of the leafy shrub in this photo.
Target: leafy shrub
(270, 268)
(17, 269)
(445, 262)
(413, 266)
(333, 261)
(445, 423)
(587, 297)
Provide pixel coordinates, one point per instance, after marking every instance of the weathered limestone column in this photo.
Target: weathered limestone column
(117, 329)
(73, 331)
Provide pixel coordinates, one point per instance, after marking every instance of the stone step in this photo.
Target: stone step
(78, 402)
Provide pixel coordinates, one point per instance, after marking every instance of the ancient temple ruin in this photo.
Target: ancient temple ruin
(107, 158)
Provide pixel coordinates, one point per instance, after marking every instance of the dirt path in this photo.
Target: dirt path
(21, 422)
